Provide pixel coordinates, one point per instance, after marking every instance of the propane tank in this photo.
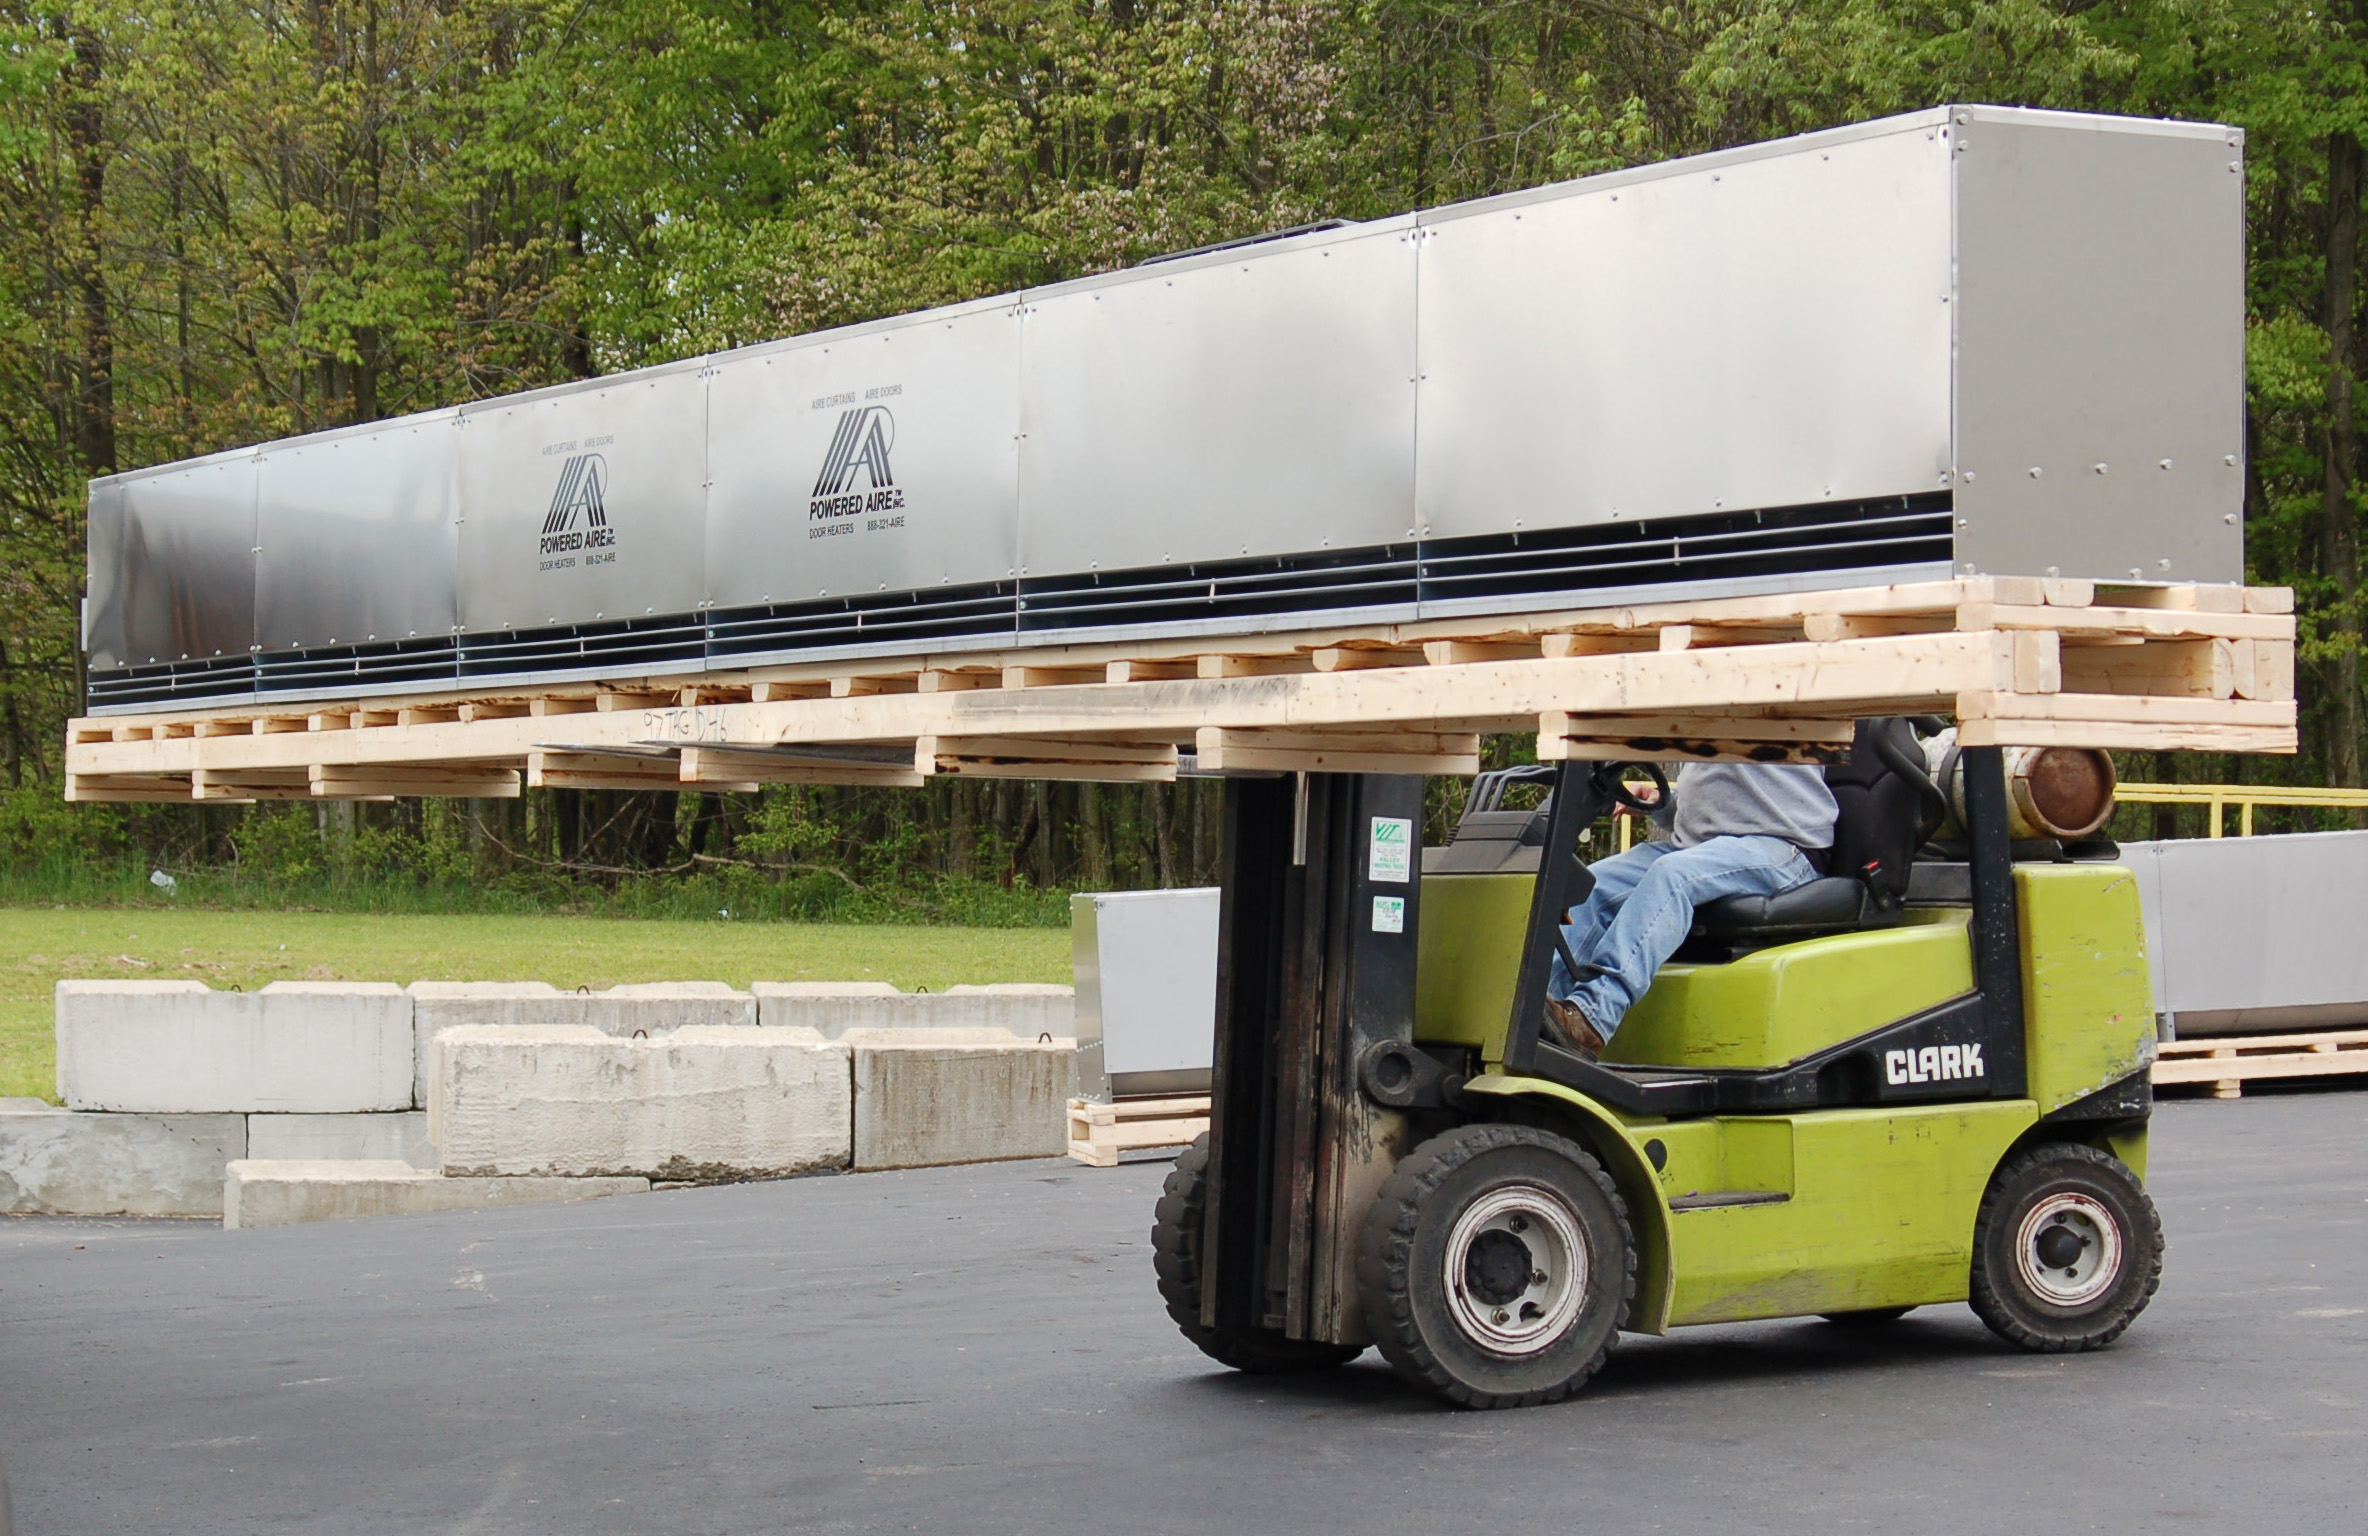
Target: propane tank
(2064, 793)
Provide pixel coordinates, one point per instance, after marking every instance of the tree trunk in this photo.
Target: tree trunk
(1047, 872)
(1094, 849)
(94, 413)
(2339, 551)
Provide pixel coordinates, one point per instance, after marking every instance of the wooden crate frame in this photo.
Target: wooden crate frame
(2227, 1061)
(2016, 661)
(1099, 1131)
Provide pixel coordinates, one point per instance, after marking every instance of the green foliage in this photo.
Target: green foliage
(225, 222)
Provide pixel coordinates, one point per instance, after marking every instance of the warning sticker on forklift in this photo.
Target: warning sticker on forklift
(1393, 850)
(1389, 914)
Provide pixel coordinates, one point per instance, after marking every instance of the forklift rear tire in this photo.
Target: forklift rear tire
(1497, 1266)
(2067, 1249)
(1175, 1255)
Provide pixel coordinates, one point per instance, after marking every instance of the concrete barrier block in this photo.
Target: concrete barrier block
(440, 1005)
(58, 1162)
(401, 1136)
(699, 1103)
(282, 1193)
(926, 1096)
(1023, 1010)
(296, 1047)
(654, 1008)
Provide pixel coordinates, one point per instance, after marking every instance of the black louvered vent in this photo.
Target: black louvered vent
(1557, 567)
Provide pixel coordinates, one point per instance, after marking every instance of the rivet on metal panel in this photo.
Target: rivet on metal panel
(2166, 464)
(1968, 477)
(2099, 468)
(2236, 167)
(1965, 522)
(2228, 459)
(2162, 565)
(2034, 471)
(2228, 517)
(2136, 574)
(2055, 570)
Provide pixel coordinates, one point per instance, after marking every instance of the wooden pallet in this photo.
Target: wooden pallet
(2226, 1061)
(1099, 1132)
(2016, 661)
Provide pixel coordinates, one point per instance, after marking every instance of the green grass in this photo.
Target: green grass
(41, 946)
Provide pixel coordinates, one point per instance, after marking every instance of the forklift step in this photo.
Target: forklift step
(1721, 1199)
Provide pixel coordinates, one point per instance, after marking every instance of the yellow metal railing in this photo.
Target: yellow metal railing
(2243, 796)
(2218, 796)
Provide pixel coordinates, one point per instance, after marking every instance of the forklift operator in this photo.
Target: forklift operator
(1736, 829)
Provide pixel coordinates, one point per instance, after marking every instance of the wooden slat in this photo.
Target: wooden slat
(472, 781)
(1016, 757)
(1220, 750)
(125, 789)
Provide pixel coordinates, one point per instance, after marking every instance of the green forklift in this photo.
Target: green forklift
(1920, 1079)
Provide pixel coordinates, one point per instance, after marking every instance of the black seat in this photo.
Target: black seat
(1887, 806)
(1832, 904)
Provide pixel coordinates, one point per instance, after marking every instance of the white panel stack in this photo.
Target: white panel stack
(1146, 965)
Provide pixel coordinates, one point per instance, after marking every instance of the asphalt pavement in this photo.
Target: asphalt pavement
(981, 1350)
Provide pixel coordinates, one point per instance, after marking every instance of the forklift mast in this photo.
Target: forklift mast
(1322, 878)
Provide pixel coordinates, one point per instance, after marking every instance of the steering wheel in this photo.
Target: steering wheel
(1611, 782)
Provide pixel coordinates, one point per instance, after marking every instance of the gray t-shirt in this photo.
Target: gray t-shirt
(1784, 800)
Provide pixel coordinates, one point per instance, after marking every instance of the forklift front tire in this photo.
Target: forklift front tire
(1497, 1266)
(1175, 1255)
(2067, 1249)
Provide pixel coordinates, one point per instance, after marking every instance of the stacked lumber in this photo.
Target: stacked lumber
(1098, 1132)
(2016, 661)
(2226, 1062)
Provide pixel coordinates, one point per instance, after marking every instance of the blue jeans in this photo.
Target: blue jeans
(1643, 905)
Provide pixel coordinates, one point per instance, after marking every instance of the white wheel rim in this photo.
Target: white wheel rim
(2054, 1270)
(1481, 1284)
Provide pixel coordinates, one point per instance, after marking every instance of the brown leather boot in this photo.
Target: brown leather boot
(1568, 1026)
